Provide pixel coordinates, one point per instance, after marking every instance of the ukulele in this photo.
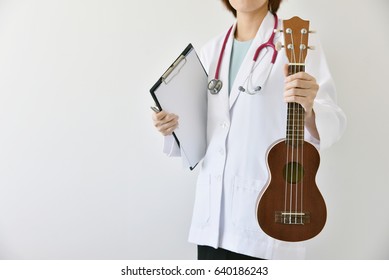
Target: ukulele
(291, 207)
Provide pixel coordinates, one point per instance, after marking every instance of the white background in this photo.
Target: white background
(82, 175)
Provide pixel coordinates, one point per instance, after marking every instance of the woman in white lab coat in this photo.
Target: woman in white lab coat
(241, 128)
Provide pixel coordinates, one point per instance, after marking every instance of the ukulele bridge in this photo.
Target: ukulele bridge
(292, 217)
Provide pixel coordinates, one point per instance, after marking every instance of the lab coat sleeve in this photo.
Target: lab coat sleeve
(170, 146)
(330, 119)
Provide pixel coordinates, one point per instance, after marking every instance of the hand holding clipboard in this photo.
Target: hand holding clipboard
(165, 122)
(182, 90)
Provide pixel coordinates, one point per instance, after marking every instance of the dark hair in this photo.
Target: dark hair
(273, 6)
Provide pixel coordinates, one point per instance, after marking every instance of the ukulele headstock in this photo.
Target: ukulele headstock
(296, 33)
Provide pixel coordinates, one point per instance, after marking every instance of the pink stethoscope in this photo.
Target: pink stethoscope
(215, 85)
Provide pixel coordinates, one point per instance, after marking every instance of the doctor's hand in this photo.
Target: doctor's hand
(301, 88)
(165, 122)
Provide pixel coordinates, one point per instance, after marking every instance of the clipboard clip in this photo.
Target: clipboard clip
(174, 70)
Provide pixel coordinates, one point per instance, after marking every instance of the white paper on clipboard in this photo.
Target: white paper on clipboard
(182, 90)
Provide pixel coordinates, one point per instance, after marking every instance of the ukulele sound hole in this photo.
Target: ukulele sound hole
(293, 172)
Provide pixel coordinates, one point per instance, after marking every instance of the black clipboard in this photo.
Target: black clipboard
(182, 90)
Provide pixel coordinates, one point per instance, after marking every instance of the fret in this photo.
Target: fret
(294, 68)
(295, 129)
(295, 137)
(297, 111)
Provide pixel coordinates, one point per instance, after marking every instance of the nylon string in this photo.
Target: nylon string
(295, 127)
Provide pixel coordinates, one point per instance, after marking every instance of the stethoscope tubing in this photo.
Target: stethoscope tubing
(269, 43)
(219, 62)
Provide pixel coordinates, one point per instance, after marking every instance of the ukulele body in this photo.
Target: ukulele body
(291, 207)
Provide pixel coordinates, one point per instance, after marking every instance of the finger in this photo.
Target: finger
(163, 117)
(168, 120)
(168, 128)
(299, 84)
(303, 97)
(301, 76)
(299, 100)
(169, 117)
(299, 92)
(159, 116)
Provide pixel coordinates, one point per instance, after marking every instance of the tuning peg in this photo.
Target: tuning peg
(279, 46)
(312, 48)
(278, 30)
(312, 31)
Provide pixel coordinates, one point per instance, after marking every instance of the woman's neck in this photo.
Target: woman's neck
(248, 24)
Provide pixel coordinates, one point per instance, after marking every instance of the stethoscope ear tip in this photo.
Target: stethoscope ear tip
(242, 89)
(255, 91)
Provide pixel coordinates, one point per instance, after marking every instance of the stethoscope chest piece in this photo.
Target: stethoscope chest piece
(214, 86)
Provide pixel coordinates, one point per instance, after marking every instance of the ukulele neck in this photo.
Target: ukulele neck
(295, 114)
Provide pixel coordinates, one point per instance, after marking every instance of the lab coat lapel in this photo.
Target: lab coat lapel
(225, 67)
(264, 32)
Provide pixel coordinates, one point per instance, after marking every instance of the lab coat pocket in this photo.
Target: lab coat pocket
(244, 203)
(201, 212)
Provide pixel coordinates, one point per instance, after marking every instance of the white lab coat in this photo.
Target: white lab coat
(240, 130)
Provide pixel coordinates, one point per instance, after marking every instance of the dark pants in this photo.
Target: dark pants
(209, 253)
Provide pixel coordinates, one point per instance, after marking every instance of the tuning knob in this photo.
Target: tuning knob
(277, 30)
(279, 46)
(312, 48)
